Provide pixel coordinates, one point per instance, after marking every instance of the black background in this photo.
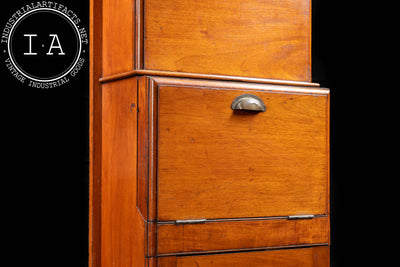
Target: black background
(354, 55)
(45, 181)
(45, 136)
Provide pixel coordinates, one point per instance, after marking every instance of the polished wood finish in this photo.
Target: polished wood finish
(313, 257)
(95, 106)
(122, 227)
(134, 73)
(118, 31)
(180, 127)
(239, 234)
(165, 144)
(264, 39)
(209, 154)
(143, 148)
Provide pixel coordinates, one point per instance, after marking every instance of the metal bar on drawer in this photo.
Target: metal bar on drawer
(190, 221)
(300, 217)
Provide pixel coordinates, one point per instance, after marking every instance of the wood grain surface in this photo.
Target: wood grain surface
(246, 234)
(305, 257)
(263, 39)
(95, 66)
(122, 228)
(118, 36)
(166, 149)
(217, 163)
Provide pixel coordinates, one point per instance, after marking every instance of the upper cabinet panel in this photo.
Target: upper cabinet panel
(117, 40)
(253, 38)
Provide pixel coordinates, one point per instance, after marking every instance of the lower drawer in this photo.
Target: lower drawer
(231, 235)
(304, 257)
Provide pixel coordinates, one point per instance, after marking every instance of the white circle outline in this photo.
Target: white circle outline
(77, 58)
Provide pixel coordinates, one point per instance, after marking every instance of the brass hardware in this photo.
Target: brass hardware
(248, 102)
(190, 221)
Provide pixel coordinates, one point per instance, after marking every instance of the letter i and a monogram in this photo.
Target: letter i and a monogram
(44, 44)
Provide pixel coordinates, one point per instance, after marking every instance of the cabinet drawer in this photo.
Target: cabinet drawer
(228, 235)
(214, 162)
(305, 257)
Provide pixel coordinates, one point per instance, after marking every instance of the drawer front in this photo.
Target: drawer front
(263, 39)
(214, 162)
(304, 257)
(235, 235)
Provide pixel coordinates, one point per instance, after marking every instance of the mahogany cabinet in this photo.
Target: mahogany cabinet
(209, 142)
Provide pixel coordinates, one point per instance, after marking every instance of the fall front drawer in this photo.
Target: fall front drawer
(211, 162)
(210, 167)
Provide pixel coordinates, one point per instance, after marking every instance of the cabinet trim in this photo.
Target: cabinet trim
(139, 72)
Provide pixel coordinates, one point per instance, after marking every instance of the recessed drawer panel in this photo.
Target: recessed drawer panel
(216, 162)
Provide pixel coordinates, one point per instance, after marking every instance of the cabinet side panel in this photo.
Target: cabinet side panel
(122, 233)
(95, 133)
(143, 147)
(118, 36)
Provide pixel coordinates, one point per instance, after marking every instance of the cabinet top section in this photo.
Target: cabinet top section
(263, 39)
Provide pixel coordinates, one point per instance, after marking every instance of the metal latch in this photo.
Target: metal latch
(190, 221)
(299, 217)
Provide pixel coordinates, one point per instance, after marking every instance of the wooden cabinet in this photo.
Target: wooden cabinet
(209, 142)
(265, 39)
(314, 256)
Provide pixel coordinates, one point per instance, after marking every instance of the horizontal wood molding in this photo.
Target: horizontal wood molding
(139, 72)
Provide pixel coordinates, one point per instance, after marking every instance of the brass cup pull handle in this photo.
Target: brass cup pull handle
(248, 102)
